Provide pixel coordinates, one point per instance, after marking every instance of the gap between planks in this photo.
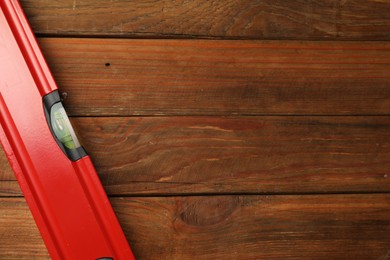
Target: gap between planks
(13, 191)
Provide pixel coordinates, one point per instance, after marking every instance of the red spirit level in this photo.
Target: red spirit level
(57, 177)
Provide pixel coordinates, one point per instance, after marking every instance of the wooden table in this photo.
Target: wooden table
(240, 129)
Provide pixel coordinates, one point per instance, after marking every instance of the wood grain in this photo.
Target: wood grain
(198, 155)
(19, 236)
(5, 174)
(253, 19)
(209, 145)
(230, 227)
(197, 77)
(10, 188)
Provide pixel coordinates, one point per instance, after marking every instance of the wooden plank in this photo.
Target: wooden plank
(19, 235)
(174, 77)
(10, 188)
(198, 155)
(230, 227)
(5, 169)
(259, 19)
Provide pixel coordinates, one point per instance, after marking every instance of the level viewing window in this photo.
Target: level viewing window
(62, 127)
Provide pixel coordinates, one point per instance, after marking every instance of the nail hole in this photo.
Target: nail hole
(64, 95)
(107, 64)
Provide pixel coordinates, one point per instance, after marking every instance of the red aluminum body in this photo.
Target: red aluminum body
(66, 198)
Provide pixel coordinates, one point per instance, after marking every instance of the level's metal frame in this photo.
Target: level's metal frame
(57, 177)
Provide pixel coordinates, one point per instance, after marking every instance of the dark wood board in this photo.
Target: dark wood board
(201, 155)
(119, 77)
(233, 19)
(230, 227)
(239, 129)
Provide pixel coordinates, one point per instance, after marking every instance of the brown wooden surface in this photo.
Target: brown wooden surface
(253, 19)
(192, 77)
(230, 227)
(231, 148)
(188, 155)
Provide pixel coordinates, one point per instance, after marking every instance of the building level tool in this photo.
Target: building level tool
(55, 173)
